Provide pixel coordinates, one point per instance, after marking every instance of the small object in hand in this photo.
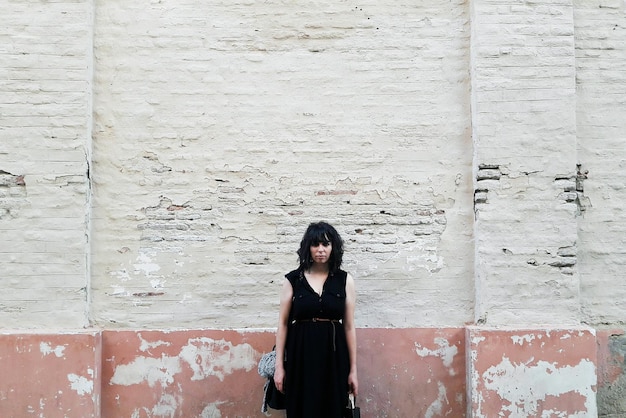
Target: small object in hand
(352, 411)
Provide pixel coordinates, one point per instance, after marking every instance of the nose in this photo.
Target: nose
(320, 248)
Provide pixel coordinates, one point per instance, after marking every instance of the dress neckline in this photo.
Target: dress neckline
(306, 280)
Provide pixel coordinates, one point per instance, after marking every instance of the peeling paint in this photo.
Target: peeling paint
(523, 388)
(208, 357)
(445, 351)
(147, 369)
(521, 339)
(211, 411)
(167, 406)
(435, 409)
(146, 345)
(477, 339)
(81, 384)
(204, 356)
(47, 349)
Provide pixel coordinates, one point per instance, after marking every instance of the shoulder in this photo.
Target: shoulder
(340, 279)
(348, 281)
(293, 275)
(341, 274)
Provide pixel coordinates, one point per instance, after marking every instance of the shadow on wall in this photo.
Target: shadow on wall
(611, 373)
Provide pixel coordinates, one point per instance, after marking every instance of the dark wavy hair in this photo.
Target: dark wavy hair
(321, 232)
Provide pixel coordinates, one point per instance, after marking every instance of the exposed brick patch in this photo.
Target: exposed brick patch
(336, 192)
(565, 259)
(12, 193)
(148, 294)
(487, 173)
(11, 180)
(171, 222)
(573, 189)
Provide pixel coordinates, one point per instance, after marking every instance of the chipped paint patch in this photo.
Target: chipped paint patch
(523, 388)
(167, 406)
(147, 345)
(521, 339)
(46, 349)
(445, 351)
(437, 407)
(81, 384)
(147, 369)
(211, 411)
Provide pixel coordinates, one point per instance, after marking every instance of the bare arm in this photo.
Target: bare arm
(286, 295)
(348, 324)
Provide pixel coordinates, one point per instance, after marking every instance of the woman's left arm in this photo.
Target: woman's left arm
(348, 324)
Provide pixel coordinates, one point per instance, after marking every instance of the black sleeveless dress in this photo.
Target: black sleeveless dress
(317, 362)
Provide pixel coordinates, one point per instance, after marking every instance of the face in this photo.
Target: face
(320, 251)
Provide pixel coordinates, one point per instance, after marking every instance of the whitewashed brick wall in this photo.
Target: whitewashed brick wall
(469, 152)
(224, 128)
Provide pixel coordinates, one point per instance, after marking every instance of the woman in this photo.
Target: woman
(316, 338)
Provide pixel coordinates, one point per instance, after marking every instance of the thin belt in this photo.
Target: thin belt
(332, 321)
(338, 321)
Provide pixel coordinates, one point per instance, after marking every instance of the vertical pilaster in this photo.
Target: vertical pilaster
(45, 113)
(524, 134)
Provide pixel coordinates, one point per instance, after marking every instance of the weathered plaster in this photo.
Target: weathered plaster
(194, 373)
(425, 372)
(213, 373)
(412, 371)
(50, 375)
(534, 372)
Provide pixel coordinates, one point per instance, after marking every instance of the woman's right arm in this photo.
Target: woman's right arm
(286, 295)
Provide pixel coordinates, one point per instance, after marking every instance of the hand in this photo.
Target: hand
(353, 383)
(279, 379)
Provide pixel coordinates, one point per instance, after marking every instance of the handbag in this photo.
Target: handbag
(271, 396)
(267, 364)
(352, 411)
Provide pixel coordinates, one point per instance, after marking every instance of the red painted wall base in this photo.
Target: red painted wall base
(418, 372)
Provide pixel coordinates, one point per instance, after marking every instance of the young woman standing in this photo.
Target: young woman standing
(316, 339)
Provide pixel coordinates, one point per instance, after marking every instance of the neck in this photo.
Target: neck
(319, 268)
